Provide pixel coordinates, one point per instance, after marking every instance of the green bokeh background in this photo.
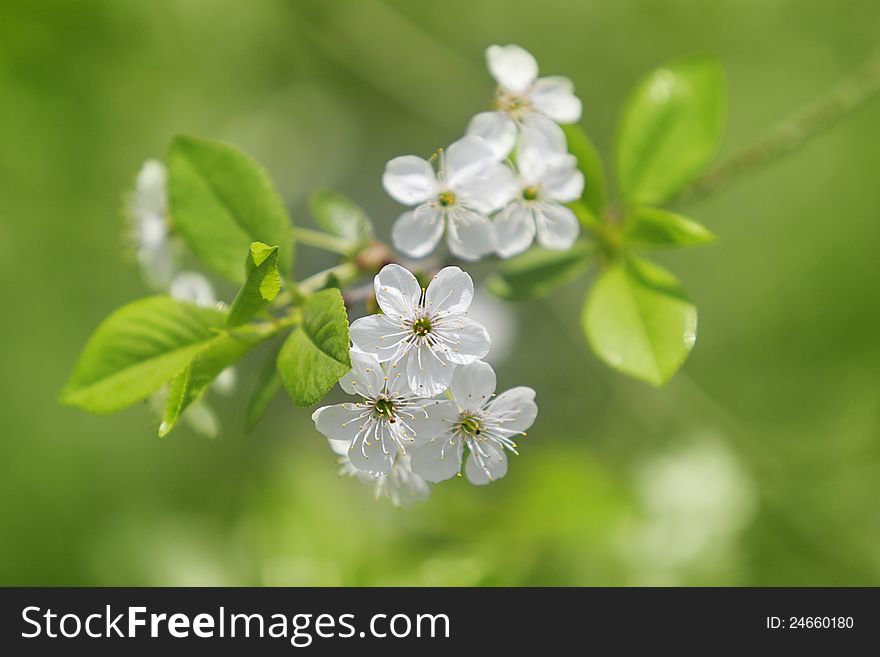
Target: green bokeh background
(757, 465)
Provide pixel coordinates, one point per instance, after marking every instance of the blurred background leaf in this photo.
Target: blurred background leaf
(756, 464)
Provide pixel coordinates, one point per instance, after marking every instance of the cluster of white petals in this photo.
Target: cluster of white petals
(148, 209)
(424, 393)
(486, 202)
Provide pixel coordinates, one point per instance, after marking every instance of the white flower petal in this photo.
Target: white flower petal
(409, 179)
(202, 419)
(431, 419)
(473, 385)
(149, 195)
(366, 377)
(561, 180)
(339, 447)
(488, 189)
(558, 228)
(554, 96)
(497, 129)
(225, 382)
(395, 373)
(416, 233)
(439, 459)
(514, 68)
(374, 449)
(517, 406)
(465, 158)
(532, 157)
(488, 467)
(469, 234)
(428, 373)
(500, 322)
(376, 334)
(543, 132)
(340, 421)
(450, 291)
(397, 291)
(514, 229)
(193, 287)
(402, 486)
(471, 341)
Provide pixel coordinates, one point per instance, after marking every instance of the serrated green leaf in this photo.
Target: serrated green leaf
(590, 164)
(262, 284)
(138, 349)
(671, 128)
(537, 272)
(654, 228)
(221, 201)
(638, 320)
(222, 351)
(265, 385)
(339, 215)
(316, 354)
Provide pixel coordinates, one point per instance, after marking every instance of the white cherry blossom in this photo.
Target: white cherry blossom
(547, 179)
(424, 334)
(482, 422)
(470, 184)
(148, 211)
(524, 100)
(384, 423)
(401, 486)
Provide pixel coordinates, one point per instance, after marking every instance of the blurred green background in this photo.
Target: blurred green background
(757, 465)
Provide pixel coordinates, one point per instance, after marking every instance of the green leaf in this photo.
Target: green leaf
(221, 201)
(652, 227)
(671, 128)
(263, 388)
(537, 272)
(639, 320)
(138, 349)
(338, 215)
(590, 163)
(316, 354)
(219, 353)
(262, 284)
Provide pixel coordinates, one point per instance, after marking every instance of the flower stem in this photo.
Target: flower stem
(789, 135)
(345, 273)
(321, 240)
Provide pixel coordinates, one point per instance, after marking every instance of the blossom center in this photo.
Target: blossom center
(513, 104)
(446, 198)
(470, 425)
(531, 193)
(384, 409)
(422, 326)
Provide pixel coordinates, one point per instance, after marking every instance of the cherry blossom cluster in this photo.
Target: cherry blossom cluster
(503, 184)
(425, 395)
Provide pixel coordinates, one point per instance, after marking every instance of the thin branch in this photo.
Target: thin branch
(844, 97)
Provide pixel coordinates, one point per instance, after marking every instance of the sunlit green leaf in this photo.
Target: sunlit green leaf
(222, 351)
(338, 215)
(537, 272)
(262, 390)
(590, 163)
(138, 349)
(653, 227)
(316, 354)
(261, 286)
(671, 128)
(221, 201)
(639, 320)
